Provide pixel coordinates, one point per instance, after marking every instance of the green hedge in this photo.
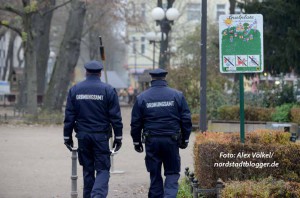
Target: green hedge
(251, 113)
(283, 113)
(211, 148)
(195, 118)
(229, 113)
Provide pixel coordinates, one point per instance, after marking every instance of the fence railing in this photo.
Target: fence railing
(196, 190)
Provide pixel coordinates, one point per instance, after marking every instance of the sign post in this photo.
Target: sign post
(241, 50)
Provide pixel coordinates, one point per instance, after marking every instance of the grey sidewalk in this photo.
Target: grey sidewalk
(34, 163)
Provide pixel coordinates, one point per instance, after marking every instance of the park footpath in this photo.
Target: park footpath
(34, 163)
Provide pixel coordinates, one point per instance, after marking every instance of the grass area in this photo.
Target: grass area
(184, 190)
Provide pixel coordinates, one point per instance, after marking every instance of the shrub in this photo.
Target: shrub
(282, 113)
(295, 115)
(195, 118)
(258, 113)
(184, 190)
(229, 112)
(251, 113)
(264, 114)
(210, 147)
(265, 188)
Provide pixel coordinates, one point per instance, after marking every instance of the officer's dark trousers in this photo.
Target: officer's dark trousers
(162, 151)
(94, 156)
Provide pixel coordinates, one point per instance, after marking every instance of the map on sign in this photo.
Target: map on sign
(241, 43)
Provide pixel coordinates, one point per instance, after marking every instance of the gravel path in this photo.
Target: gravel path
(34, 163)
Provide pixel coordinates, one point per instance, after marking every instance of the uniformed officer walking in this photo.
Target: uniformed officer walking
(92, 108)
(164, 117)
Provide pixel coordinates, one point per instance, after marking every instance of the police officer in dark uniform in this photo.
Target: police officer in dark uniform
(92, 108)
(164, 117)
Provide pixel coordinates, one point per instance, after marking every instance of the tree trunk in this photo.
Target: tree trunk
(67, 59)
(9, 64)
(42, 24)
(232, 6)
(30, 78)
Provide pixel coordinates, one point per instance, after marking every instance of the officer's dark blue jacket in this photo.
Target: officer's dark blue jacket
(160, 110)
(91, 107)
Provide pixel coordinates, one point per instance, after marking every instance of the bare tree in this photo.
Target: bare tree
(43, 24)
(67, 58)
(34, 29)
(8, 66)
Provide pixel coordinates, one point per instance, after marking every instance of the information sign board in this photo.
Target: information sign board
(241, 43)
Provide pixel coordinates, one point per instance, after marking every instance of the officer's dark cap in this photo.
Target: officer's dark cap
(93, 66)
(158, 73)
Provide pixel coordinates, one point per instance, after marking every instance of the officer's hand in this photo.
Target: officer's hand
(139, 147)
(69, 143)
(117, 144)
(183, 145)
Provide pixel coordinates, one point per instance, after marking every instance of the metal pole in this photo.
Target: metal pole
(102, 54)
(153, 54)
(202, 122)
(135, 63)
(195, 188)
(74, 193)
(165, 26)
(242, 114)
(165, 29)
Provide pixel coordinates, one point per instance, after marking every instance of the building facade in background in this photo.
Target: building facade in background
(143, 55)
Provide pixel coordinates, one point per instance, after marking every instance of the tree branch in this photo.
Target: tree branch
(16, 29)
(9, 8)
(55, 7)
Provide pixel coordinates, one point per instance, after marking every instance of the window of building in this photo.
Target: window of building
(193, 11)
(143, 48)
(220, 10)
(143, 39)
(143, 10)
(134, 41)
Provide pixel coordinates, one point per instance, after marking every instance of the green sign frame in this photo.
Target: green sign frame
(241, 43)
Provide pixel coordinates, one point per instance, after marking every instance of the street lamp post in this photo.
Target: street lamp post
(153, 39)
(164, 18)
(135, 62)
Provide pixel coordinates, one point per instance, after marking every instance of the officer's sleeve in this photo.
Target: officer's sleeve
(186, 122)
(70, 116)
(115, 114)
(136, 124)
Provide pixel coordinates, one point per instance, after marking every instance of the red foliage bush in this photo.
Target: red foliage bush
(217, 155)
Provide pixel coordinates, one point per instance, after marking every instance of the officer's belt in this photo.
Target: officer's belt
(95, 132)
(148, 135)
(173, 136)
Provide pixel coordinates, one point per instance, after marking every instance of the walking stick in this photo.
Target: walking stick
(113, 153)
